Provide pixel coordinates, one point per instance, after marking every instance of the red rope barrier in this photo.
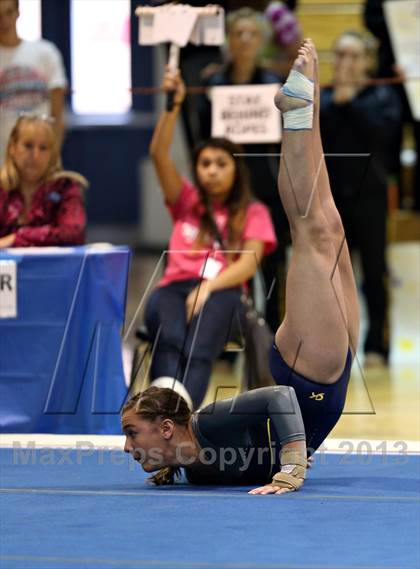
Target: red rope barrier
(198, 90)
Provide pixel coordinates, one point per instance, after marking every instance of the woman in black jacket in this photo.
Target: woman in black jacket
(358, 126)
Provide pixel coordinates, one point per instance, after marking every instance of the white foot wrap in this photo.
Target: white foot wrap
(299, 119)
(172, 383)
(299, 87)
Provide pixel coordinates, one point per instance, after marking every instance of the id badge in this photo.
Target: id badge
(211, 269)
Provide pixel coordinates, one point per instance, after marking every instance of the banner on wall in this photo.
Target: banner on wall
(246, 113)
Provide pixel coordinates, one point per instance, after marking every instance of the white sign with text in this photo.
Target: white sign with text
(246, 113)
(403, 20)
(8, 289)
(181, 23)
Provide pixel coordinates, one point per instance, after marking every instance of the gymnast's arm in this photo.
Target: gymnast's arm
(278, 403)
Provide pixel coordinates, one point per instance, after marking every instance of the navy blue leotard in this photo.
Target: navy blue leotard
(321, 405)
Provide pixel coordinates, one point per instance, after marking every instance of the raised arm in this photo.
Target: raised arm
(169, 177)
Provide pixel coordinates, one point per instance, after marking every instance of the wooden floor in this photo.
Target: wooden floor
(391, 394)
(383, 403)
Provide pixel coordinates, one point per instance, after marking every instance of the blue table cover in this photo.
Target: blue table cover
(60, 359)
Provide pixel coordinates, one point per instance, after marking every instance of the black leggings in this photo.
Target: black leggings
(186, 351)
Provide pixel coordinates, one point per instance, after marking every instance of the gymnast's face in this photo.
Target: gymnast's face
(148, 442)
(216, 171)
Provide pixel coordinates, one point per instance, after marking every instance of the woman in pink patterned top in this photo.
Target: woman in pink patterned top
(40, 204)
(219, 237)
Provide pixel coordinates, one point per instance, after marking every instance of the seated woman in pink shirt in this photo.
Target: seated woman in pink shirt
(198, 300)
(40, 204)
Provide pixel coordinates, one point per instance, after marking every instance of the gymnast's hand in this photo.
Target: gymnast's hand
(269, 489)
(290, 478)
(196, 300)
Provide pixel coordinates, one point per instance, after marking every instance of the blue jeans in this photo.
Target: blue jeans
(185, 350)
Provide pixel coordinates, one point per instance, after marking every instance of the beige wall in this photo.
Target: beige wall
(325, 21)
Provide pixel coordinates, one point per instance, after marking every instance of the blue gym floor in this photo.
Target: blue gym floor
(64, 508)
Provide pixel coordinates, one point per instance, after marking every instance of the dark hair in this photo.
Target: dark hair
(163, 403)
(239, 197)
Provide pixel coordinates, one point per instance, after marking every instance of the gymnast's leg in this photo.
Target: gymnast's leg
(314, 336)
(333, 218)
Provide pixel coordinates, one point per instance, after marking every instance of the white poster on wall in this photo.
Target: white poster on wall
(246, 113)
(8, 289)
(403, 21)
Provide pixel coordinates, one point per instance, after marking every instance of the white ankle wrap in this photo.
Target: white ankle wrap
(299, 87)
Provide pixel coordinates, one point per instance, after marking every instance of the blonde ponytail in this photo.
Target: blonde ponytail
(166, 476)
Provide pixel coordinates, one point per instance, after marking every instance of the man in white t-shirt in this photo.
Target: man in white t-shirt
(32, 76)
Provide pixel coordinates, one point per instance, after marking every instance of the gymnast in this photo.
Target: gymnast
(264, 437)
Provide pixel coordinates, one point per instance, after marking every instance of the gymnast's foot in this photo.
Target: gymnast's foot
(315, 59)
(305, 65)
